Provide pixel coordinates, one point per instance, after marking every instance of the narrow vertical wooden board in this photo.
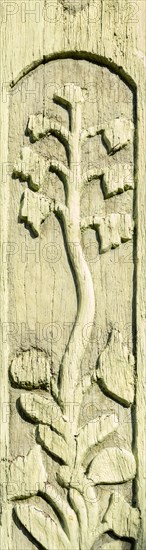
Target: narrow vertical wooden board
(72, 275)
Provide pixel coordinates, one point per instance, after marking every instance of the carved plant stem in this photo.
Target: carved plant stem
(71, 361)
(72, 358)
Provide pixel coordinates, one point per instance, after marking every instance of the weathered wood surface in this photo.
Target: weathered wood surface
(72, 292)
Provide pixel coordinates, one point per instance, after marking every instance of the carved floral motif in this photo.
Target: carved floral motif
(73, 520)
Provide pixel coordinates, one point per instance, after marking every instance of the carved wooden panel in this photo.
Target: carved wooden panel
(72, 469)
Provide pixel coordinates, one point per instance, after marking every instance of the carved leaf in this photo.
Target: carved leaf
(39, 126)
(43, 528)
(93, 173)
(116, 370)
(92, 505)
(44, 410)
(34, 208)
(114, 229)
(118, 133)
(121, 518)
(64, 510)
(95, 432)
(79, 506)
(25, 480)
(31, 167)
(64, 476)
(86, 503)
(55, 444)
(117, 179)
(90, 221)
(112, 465)
(60, 169)
(31, 369)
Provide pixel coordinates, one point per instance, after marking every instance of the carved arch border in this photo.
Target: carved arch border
(78, 55)
(131, 83)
